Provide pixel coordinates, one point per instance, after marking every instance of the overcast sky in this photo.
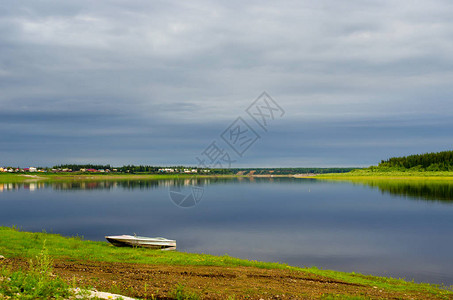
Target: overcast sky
(155, 82)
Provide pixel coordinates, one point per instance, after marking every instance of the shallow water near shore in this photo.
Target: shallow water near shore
(390, 228)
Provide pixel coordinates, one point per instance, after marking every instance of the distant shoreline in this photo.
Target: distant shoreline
(355, 175)
(5, 177)
(388, 175)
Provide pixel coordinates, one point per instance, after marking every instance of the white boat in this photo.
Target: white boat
(141, 241)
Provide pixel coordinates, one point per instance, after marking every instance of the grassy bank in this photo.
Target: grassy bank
(360, 173)
(389, 174)
(25, 245)
(17, 178)
(37, 282)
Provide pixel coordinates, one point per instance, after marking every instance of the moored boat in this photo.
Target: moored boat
(141, 241)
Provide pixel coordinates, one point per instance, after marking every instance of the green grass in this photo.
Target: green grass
(12, 178)
(37, 282)
(15, 243)
(182, 293)
(384, 173)
(52, 177)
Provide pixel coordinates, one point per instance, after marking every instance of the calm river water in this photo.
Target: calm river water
(393, 228)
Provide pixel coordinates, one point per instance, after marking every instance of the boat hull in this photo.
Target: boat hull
(132, 241)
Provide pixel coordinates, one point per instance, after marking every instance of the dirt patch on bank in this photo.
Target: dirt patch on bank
(33, 178)
(148, 281)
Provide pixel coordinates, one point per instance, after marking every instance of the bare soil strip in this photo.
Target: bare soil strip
(147, 281)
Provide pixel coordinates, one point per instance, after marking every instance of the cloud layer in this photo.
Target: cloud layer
(155, 82)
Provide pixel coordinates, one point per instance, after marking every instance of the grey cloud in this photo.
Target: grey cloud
(109, 80)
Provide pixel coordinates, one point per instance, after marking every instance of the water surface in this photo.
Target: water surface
(392, 228)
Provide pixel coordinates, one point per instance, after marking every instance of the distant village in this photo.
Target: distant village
(132, 169)
(84, 170)
(45, 170)
(20, 170)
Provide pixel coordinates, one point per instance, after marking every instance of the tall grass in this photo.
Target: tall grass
(182, 293)
(38, 282)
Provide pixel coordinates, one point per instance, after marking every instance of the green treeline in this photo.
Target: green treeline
(139, 169)
(438, 161)
(143, 169)
(289, 171)
(76, 167)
